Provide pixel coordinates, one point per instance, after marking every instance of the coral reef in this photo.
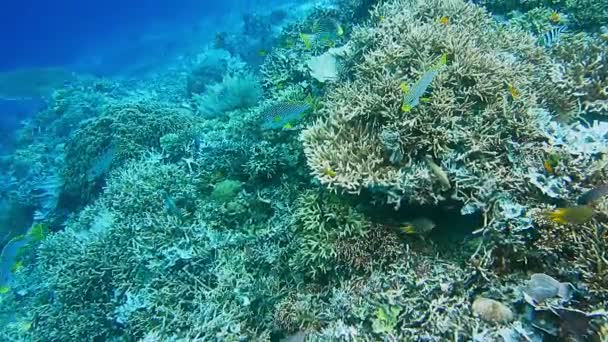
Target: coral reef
(124, 130)
(400, 170)
(365, 140)
(581, 70)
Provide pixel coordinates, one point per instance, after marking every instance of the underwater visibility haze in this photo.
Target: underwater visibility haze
(322, 170)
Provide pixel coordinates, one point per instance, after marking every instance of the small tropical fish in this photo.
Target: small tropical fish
(575, 215)
(4, 289)
(419, 226)
(551, 163)
(38, 232)
(262, 52)
(329, 172)
(413, 94)
(327, 26)
(554, 17)
(339, 30)
(439, 173)
(599, 330)
(593, 195)
(307, 40)
(281, 114)
(549, 167)
(169, 205)
(445, 20)
(513, 91)
(552, 37)
(17, 266)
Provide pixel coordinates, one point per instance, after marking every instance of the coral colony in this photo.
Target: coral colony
(400, 170)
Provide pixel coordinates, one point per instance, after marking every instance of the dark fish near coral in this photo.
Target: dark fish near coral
(552, 37)
(541, 287)
(593, 195)
(325, 31)
(170, 205)
(327, 27)
(418, 226)
(441, 175)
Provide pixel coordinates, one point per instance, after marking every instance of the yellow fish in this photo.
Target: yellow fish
(262, 52)
(4, 289)
(421, 226)
(576, 215)
(307, 40)
(339, 30)
(513, 91)
(551, 163)
(406, 108)
(404, 87)
(445, 20)
(554, 17)
(329, 172)
(17, 266)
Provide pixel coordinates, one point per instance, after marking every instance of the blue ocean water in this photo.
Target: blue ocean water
(52, 33)
(316, 170)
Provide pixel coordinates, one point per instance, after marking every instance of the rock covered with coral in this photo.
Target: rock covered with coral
(474, 116)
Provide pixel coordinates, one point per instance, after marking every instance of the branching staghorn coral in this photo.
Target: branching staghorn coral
(578, 253)
(125, 130)
(334, 240)
(479, 108)
(581, 70)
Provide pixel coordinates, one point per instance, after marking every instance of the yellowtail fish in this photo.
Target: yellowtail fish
(262, 52)
(571, 215)
(4, 289)
(412, 95)
(445, 20)
(329, 172)
(551, 163)
(307, 40)
(513, 91)
(418, 226)
(554, 17)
